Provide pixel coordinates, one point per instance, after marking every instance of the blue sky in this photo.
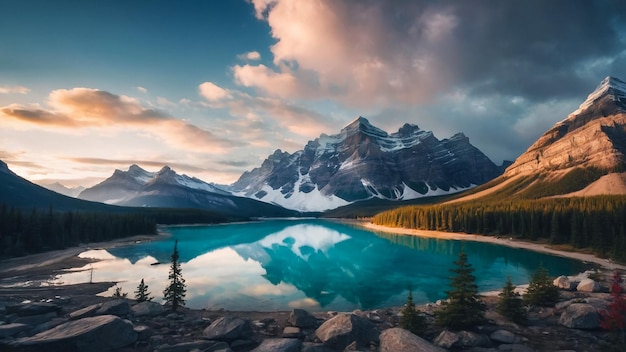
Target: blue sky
(213, 87)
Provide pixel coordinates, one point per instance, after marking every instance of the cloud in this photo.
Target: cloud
(13, 89)
(373, 54)
(251, 55)
(86, 107)
(211, 92)
(260, 115)
(142, 89)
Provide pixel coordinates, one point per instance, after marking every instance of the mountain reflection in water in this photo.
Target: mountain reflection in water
(312, 264)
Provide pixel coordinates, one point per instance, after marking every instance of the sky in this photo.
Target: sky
(211, 88)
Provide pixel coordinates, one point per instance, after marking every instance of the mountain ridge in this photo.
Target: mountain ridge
(363, 162)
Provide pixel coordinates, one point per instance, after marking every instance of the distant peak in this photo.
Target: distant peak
(4, 168)
(165, 169)
(360, 120)
(135, 167)
(362, 124)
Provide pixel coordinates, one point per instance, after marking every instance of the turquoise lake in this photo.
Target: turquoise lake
(310, 264)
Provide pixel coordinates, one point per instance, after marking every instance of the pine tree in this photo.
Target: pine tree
(174, 294)
(541, 291)
(510, 304)
(411, 319)
(118, 292)
(464, 309)
(142, 293)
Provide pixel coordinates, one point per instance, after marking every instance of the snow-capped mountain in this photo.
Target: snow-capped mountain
(362, 162)
(60, 188)
(166, 188)
(592, 136)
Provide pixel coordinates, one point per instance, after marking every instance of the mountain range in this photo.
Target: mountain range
(165, 188)
(363, 162)
(583, 154)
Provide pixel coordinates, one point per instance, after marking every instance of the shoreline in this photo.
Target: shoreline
(509, 242)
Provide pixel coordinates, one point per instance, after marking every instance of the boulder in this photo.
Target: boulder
(205, 346)
(119, 307)
(291, 331)
(143, 332)
(505, 336)
(588, 285)
(34, 320)
(86, 312)
(563, 282)
(302, 319)
(10, 330)
(447, 339)
(33, 308)
(315, 347)
(515, 347)
(147, 308)
(580, 316)
(598, 303)
(343, 329)
(279, 345)
(400, 340)
(100, 333)
(472, 339)
(228, 329)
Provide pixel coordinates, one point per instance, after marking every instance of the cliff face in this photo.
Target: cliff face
(592, 136)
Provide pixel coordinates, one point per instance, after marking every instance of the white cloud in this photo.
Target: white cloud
(142, 89)
(13, 90)
(251, 55)
(212, 92)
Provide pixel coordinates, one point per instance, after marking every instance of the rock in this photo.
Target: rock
(86, 312)
(48, 325)
(228, 329)
(243, 344)
(565, 304)
(446, 339)
(279, 345)
(580, 316)
(143, 332)
(291, 331)
(100, 333)
(10, 330)
(563, 282)
(598, 303)
(33, 308)
(505, 336)
(34, 320)
(119, 307)
(147, 308)
(342, 330)
(515, 348)
(302, 319)
(588, 285)
(204, 346)
(472, 339)
(315, 347)
(400, 340)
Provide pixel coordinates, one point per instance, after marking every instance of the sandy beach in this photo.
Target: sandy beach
(505, 241)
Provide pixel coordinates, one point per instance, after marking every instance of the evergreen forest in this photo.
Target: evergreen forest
(597, 223)
(26, 232)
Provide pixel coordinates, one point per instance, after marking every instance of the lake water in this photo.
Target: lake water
(310, 264)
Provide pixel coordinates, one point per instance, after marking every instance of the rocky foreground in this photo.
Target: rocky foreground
(91, 323)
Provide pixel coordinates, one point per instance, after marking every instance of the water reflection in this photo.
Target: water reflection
(311, 264)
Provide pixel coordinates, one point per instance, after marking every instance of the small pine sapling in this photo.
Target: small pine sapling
(541, 291)
(411, 318)
(510, 304)
(118, 292)
(142, 294)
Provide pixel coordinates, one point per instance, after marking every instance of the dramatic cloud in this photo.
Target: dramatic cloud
(13, 89)
(369, 53)
(258, 116)
(85, 107)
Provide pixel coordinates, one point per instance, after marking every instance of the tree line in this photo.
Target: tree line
(31, 231)
(597, 223)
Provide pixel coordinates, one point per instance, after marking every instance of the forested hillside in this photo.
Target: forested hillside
(26, 232)
(597, 222)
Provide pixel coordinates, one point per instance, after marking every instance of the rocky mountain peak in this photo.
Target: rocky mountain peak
(592, 136)
(4, 168)
(362, 125)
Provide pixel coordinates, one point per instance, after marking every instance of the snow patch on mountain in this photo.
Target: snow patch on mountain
(612, 86)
